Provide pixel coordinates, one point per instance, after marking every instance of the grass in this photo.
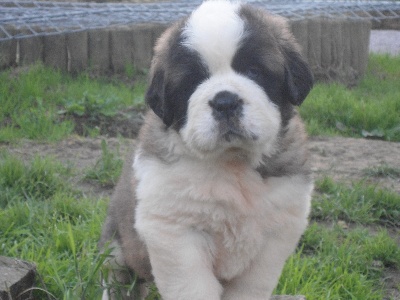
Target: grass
(344, 253)
(40, 180)
(358, 203)
(58, 235)
(39, 103)
(107, 169)
(333, 263)
(372, 109)
(44, 220)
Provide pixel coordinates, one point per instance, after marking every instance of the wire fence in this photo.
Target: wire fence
(22, 19)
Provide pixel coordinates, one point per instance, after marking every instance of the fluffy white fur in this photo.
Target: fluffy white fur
(260, 122)
(215, 30)
(192, 209)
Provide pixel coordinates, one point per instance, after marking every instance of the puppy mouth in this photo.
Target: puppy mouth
(231, 130)
(227, 110)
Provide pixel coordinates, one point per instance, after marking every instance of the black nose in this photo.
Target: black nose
(226, 104)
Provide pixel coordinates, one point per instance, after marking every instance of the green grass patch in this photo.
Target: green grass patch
(372, 109)
(40, 103)
(60, 235)
(358, 203)
(39, 180)
(107, 169)
(42, 219)
(333, 263)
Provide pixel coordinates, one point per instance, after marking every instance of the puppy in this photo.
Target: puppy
(218, 191)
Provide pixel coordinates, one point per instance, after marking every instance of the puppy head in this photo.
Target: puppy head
(226, 77)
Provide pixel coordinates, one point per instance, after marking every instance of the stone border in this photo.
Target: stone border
(17, 277)
(336, 49)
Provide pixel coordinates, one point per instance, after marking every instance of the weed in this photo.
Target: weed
(91, 107)
(130, 70)
(107, 168)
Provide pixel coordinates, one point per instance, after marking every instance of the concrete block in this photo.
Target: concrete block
(8, 50)
(31, 50)
(122, 48)
(16, 278)
(300, 32)
(314, 43)
(338, 49)
(77, 51)
(99, 50)
(55, 51)
(142, 45)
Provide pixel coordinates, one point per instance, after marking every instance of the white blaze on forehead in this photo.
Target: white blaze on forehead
(215, 30)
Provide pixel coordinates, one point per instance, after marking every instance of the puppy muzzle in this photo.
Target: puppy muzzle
(227, 110)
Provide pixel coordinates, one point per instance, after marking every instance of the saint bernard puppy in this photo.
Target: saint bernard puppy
(217, 194)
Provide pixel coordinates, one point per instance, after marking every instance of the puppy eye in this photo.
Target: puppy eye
(253, 72)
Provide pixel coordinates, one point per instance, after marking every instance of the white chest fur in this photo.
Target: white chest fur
(226, 204)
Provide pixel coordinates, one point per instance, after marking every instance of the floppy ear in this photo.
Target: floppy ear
(298, 77)
(156, 97)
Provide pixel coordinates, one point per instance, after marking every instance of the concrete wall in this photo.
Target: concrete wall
(337, 49)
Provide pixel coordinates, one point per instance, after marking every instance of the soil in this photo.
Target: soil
(350, 159)
(343, 159)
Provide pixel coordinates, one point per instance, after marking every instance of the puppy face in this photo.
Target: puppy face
(228, 77)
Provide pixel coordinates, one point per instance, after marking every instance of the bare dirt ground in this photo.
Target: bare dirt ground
(343, 159)
(349, 159)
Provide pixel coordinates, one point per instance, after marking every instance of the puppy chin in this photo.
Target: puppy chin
(254, 131)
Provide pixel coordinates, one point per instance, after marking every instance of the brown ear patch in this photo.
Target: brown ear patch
(270, 49)
(175, 73)
(298, 77)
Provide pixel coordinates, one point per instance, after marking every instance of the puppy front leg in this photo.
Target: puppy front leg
(261, 277)
(181, 263)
